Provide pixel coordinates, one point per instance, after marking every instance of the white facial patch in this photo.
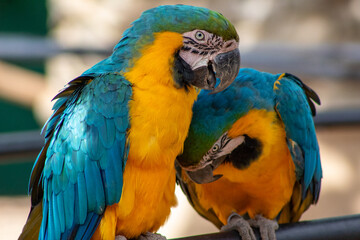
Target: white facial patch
(232, 144)
(197, 52)
(223, 146)
(226, 145)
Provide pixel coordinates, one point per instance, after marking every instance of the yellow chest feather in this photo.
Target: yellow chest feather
(262, 188)
(160, 115)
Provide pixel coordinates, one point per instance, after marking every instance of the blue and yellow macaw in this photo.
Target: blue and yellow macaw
(107, 166)
(259, 140)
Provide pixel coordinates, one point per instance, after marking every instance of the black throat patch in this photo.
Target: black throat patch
(182, 72)
(246, 153)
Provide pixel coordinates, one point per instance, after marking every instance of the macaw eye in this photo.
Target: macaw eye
(215, 148)
(199, 35)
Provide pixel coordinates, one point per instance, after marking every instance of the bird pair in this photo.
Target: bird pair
(107, 165)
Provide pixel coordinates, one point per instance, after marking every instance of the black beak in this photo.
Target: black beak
(225, 66)
(205, 174)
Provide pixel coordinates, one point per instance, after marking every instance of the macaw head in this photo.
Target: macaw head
(208, 49)
(231, 127)
(248, 139)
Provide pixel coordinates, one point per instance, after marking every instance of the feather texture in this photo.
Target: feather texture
(79, 171)
(276, 110)
(79, 177)
(294, 106)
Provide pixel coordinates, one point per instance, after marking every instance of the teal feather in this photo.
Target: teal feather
(59, 146)
(300, 128)
(86, 230)
(57, 163)
(117, 150)
(69, 199)
(43, 227)
(104, 161)
(82, 203)
(95, 119)
(79, 159)
(91, 185)
(108, 133)
(60, 207)
(121, 123)
(93, 143)
(109, 182)
(46, 173)
(58, 104)
(59, 183)
(70, 171)
(83, 147)
(55, 217)
(94, 186)
(63, 135)
(76, 140)
(51, 227)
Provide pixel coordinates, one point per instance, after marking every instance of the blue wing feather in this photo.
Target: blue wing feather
(82, 203)
(294, 106)
(85, 231)
(60, 205)
(79, 171)
(55, 216)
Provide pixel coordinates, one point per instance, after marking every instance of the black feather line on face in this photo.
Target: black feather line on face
(186, 48)
(213, 44)
(224, 141)
(194, 43)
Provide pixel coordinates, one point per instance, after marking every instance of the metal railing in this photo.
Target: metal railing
(20, 144)
(339, 228)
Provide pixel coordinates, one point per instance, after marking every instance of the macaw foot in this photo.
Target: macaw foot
(266, 226)
(151, 236)
(238, 223)
(120, 237)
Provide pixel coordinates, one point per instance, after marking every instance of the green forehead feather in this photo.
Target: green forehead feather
(173, 18)
(183, 18)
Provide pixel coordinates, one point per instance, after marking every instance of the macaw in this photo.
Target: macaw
(251, 157)
(107, 165)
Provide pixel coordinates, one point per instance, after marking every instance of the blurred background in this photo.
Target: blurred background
(46, 43)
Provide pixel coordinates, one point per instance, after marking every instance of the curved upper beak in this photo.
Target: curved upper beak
(225, 66)
(206, 174)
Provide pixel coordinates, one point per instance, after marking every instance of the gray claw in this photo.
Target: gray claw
(151, 236)
(238, 223)
(120, 237)
(266, 226)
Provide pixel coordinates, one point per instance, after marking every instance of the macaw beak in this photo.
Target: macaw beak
(225, 66)
(206, 174)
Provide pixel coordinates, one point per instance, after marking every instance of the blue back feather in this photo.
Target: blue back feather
(85, 157)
